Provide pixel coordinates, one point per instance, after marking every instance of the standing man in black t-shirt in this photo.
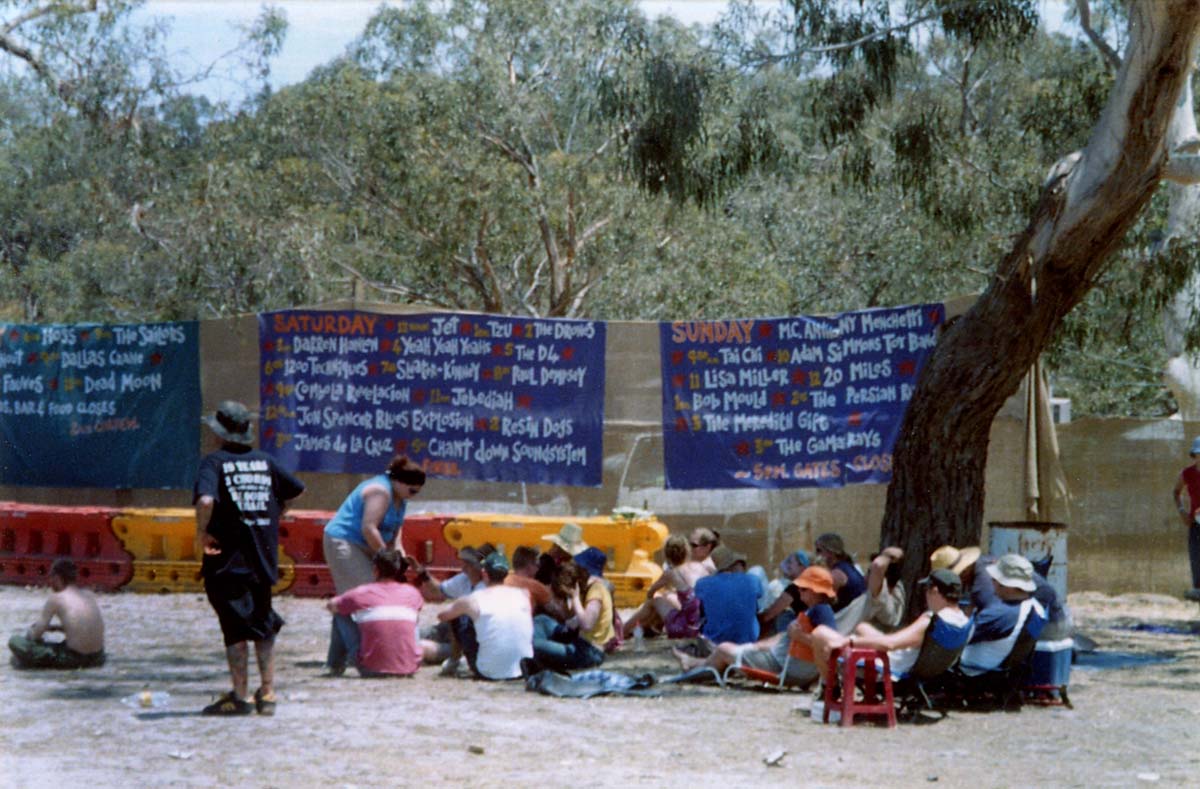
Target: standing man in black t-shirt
(240, 493)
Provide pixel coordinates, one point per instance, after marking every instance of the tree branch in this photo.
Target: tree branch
(493, 294)
(62, 88)
(510, 153)
(63, 8)
(1085, 21)
(411, 294)
(1183, 169)
(867, 38)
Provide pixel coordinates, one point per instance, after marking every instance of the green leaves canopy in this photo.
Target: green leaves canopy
(554, 158)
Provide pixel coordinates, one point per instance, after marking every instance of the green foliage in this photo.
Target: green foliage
(915, 146)
(1066, 97)
(1006, 22)
(1109, 354)
(554, 158)
(663, 146)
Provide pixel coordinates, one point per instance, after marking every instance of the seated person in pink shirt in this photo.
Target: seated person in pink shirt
(385, 643)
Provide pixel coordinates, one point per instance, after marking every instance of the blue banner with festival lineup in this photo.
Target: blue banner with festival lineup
(790, 402)
(104, 406)
(477, 397)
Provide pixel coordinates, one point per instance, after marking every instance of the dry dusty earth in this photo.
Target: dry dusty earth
(1131, 726)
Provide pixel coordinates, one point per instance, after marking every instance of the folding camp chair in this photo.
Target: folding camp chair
(1001, 687)
(797, 651)
(940, 650)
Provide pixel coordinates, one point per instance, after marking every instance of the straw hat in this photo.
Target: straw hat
(569, 538)
(954, 559)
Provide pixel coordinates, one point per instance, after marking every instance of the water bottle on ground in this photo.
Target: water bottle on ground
(147, 700)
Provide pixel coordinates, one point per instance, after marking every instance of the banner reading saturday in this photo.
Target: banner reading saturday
(790, 402)
(479, 397)
(105, 406)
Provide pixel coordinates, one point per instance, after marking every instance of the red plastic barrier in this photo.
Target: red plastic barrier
(423, 538)
(301, 533)
(300, 536)
(312, 580)
(32, 536)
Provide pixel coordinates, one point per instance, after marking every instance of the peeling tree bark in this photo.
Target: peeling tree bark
(1086, 207)
(1182, 373)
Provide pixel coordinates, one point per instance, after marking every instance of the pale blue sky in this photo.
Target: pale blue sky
(319, 30)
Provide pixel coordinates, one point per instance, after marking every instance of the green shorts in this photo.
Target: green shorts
(27, 653)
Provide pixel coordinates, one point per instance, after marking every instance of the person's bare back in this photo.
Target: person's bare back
(686, 575)
(78, 617)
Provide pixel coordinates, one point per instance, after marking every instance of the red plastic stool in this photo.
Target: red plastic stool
(871, 703)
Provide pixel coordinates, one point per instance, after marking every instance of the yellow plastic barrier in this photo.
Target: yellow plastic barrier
(162, 542)
(155, 577)
(618, 537)
(166, 534)
(151, 576)
(628, 541)
(629, 587)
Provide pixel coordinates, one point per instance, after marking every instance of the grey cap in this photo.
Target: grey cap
(231, 422)
(724, 557)
(471, 556)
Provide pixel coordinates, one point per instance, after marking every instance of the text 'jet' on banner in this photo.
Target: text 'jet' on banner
(478, 397)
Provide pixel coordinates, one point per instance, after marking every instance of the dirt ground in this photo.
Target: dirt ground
(1131, 726)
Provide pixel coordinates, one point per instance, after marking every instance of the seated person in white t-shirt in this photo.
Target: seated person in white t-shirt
(384, 642)
(943, 589)
(459, 585)
(501, 624)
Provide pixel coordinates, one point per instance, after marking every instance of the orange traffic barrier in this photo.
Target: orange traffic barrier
(300, 537)
(32, 536)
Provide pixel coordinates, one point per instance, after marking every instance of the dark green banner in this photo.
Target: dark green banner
(105, 406)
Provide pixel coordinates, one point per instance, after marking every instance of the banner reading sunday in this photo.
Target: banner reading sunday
(790, 402)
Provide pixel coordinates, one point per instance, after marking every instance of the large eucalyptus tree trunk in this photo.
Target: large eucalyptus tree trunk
(1182, 373)
(1087, 204)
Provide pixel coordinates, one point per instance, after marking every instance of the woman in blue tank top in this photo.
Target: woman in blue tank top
(368, 521)
(847, 579)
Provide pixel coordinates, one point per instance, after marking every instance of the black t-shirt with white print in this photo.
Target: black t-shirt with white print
(249, 490)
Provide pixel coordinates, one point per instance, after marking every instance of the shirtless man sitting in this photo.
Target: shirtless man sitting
(78, 619)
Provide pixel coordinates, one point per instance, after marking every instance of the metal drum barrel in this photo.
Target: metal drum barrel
(1036, 541)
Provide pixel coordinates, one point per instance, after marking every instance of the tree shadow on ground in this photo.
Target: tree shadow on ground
(89, 692)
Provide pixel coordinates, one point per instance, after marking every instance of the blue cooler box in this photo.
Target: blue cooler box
(1051, 664)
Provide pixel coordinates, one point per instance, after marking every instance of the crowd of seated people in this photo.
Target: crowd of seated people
(555, 610)
(500, 620)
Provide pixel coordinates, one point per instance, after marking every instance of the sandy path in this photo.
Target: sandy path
(1132, 726)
